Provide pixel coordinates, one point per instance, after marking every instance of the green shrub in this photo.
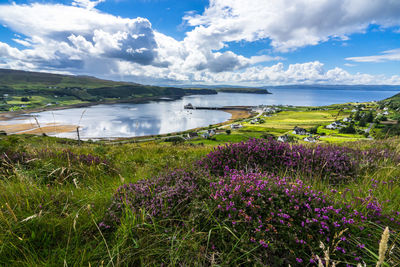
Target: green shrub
(175, 140)
(348, 129)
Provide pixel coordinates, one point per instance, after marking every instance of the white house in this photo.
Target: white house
(331, 126)
(385, 113)
(236, 126)
(283, 138)
(310, 139)
(208, 134)
(348, 119)
(334, 125)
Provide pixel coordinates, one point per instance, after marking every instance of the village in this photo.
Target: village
(286, 123)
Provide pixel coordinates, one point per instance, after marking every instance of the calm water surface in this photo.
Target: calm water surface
(128, 120)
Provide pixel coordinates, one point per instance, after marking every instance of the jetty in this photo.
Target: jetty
(247, 108)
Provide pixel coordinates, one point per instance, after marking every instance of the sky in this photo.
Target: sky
(210, 42)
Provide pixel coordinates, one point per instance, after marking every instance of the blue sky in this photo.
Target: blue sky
(238, 42)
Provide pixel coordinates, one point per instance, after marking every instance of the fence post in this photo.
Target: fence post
(79, 138)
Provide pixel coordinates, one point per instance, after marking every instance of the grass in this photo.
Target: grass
(54, 201)
(287, 120)
(51, 208)
(47, 222)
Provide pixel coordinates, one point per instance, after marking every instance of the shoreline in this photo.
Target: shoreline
(8, 115)
(237, 112)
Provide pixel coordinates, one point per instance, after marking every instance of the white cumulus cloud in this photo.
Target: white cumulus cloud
(81, 39)
(289, 24)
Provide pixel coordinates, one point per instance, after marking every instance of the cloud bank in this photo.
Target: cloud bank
(80, 39)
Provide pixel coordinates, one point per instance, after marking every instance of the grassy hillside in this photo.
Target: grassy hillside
(394, 100)
(26, 90)
(18, 80)
(161, 204)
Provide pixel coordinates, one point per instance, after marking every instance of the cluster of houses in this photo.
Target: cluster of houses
(385, 113)
(206, 134)
(299, 131)
(311, 139)
(236, 126)
(256, 121)
(335, 125)
(302, 131)
(270, 109)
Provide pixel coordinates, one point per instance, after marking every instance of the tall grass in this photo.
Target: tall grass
(54, 198)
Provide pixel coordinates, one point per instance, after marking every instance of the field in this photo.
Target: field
(283, 122)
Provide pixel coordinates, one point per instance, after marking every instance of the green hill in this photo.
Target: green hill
(24, 90)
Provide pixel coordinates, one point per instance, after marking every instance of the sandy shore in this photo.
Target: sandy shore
(31, 128)
(238, 114)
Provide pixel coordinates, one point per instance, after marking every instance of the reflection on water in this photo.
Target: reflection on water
(128, 120)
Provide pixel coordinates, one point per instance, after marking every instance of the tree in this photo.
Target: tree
(362, 122)
(228, 132)
(370, 116)
(314, 130)
(357, 116)
(175, 140)
(348, 130)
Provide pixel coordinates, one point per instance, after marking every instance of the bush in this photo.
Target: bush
(314, 130)
(268, 136)
(333, 163)
(370, 116)
(328, 162)
(362, 123)
(284, 221)
(228, 132)
(348, 129)
(175, 140)
(242, 216)
(165, 196)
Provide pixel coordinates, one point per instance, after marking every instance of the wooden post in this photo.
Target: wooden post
(79, 138)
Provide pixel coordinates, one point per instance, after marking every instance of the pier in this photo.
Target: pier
(247, 108)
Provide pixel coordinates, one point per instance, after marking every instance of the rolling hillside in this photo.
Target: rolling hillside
(24, 90)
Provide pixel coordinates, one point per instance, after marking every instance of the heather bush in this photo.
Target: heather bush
(165, 196)
(328, 162)
(284, 221)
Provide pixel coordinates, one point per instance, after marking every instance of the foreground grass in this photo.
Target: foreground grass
(51, 206)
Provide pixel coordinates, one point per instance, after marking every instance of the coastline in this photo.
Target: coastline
(8, 115)
(237, 112)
